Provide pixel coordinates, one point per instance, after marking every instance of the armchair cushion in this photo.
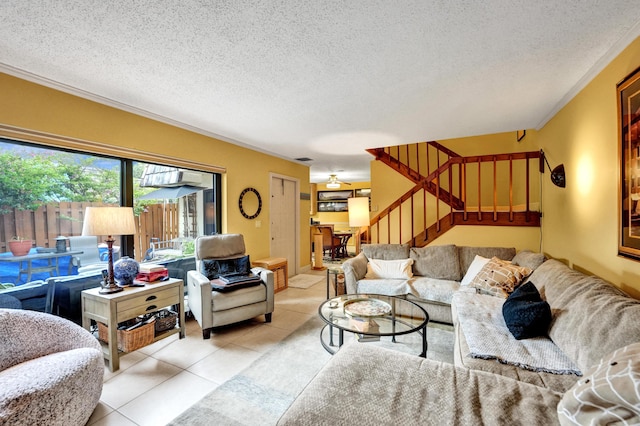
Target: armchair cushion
(222, 246)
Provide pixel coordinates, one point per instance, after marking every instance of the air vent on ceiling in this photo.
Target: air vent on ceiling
(303, 159)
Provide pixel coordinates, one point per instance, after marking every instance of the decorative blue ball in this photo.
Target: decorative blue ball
(125, 270)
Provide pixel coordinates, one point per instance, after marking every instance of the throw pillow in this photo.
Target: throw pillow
(529, 259)
(499, 277)
(607, 393)
(440, 262)
(213, 268)
(389, 269)
(525, 313)
(474, 268)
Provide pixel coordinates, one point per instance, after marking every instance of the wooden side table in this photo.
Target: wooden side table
(280, 271)
(111, 309)
(336, 272)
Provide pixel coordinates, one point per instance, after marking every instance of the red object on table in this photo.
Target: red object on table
(152, 276)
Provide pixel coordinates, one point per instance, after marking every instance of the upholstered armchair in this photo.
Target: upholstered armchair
(51, 370)
(215, 308)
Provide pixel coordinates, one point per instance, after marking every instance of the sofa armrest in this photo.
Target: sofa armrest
(354, 270)
(199, 291)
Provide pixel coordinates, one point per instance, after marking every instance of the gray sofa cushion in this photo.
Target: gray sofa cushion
(552, 278)
(378, 386)
(386, 251)
(434, 289)
(466, 255)
(593, 318)
(529, 259)
(436, 262)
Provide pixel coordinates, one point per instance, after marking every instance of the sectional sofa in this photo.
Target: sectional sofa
(436, 273)
(587, 370)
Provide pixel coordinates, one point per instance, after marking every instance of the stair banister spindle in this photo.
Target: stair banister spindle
(510, 188)
(450, 187)
(527, 190)
(495, 189)
(438, 202)
(479, 190)
(424, 209)
(418, 158)
(463, 189)
(389, 228)
(408, 158)
(412, 219)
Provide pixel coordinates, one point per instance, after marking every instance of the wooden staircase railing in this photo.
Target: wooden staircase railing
(478, 190)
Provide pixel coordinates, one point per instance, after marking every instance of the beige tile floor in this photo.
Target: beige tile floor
(158, 382)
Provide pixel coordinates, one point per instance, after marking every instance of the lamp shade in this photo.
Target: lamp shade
(358, 211)
(108, 221)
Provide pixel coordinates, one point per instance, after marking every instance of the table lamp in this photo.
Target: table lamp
(358, 216)
(109, 221)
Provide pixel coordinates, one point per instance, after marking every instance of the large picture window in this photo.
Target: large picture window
(44, 192)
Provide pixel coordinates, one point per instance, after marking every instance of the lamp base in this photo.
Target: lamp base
(109, 288)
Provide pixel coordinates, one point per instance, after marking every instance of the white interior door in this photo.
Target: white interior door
(284, 220)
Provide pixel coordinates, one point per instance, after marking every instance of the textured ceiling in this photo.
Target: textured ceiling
(321, 79)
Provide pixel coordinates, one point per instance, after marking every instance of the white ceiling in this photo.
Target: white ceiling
(321, 79)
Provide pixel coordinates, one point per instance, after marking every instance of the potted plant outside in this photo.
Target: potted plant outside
(20, 246)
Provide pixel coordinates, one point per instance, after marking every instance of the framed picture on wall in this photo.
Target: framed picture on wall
(364, 192)
(629, 158)
(334, 195)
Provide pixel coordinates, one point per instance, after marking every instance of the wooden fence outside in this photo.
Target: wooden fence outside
(44, 225)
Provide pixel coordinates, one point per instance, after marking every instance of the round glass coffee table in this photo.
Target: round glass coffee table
(371, 316)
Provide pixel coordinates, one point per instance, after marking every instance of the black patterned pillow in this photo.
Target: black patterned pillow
(525, 313)
(212, 269)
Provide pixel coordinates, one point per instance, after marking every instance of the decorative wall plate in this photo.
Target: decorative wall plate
(241, 200)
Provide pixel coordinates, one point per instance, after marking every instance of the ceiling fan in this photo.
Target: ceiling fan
(334, 183)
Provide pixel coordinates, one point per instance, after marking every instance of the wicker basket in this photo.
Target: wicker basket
(165, 320)
(129, 341)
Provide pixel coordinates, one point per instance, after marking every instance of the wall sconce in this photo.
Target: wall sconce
(558, 176)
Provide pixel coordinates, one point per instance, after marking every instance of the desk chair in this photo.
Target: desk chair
(214, 308)
(90, 259)
(329, 241)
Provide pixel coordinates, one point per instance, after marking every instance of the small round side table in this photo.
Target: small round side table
(335, 271)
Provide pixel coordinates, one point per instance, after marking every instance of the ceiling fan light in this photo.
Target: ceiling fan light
(333, 185)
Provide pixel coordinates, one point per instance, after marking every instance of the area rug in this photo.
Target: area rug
(261, 393)
(305, 280)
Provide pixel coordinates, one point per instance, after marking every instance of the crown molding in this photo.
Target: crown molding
(52, 84)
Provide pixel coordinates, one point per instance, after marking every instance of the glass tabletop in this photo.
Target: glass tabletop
(373, 314)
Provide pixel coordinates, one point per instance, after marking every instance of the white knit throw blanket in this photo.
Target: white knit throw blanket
(481, 321)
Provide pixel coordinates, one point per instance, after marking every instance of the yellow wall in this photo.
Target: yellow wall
(582, 225)
(522, 238)
(37, 108)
